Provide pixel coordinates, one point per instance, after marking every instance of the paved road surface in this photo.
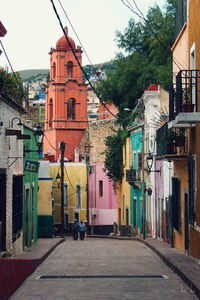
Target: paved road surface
(103, 257)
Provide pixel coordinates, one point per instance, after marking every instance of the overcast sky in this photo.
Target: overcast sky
(32, 28)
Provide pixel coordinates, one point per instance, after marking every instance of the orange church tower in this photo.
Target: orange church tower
(66, 104)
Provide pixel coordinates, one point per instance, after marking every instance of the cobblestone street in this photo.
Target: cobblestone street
(104, 257)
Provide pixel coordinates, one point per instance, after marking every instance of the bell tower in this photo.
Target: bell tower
(66, 104)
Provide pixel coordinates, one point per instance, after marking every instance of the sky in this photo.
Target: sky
(32, 29)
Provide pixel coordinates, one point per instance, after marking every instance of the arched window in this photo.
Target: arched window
(50, 112)
(54, 71)
(70, 69)
(71, 109)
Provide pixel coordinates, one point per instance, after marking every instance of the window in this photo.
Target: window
(176, 203)
(100, 188)
(134, 212)
(54, 71)
(17, 206)
(42, 110)
(50, 112)
(69, 69)
(192, 67)
(65, 194)
(123, 204)
(139, 160)
(78, 195)
(76, 216)
(71, 109)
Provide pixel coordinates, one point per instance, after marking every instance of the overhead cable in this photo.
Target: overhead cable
(61, 25)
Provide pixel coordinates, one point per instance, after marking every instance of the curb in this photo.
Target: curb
(40, 260)
(14, 271)
(166, 260)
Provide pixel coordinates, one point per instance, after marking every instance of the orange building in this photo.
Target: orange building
(66, 104)
(184, 129)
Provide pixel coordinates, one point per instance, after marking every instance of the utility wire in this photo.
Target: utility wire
(9, 63)
(75, 32)
(58, 17)
(129, 6)
(17, 81)
(69, 180)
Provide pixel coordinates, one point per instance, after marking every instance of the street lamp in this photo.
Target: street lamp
(16, 118)
(149, 160)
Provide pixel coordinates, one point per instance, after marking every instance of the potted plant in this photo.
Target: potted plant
(187, 107)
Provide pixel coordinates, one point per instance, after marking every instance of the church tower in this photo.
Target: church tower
(66, 104)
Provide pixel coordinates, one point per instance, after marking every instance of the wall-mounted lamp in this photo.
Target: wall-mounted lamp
(149, 160)
(16, 118)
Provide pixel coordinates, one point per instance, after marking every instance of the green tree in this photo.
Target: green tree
(11, 85)
(113, 155)
(148, 57)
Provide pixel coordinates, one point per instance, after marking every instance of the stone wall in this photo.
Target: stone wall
(93, 140)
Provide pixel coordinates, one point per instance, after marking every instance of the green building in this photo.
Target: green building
(30, 191)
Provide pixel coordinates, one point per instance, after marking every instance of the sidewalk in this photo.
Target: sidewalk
(183, 265)
(14, 270)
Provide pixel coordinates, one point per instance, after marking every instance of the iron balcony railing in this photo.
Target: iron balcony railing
(133, 176)
(170, 141)
(183, 96)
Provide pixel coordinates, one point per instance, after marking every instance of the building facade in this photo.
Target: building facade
(66, 104)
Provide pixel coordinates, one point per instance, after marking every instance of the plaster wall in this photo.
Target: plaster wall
(75, 174)
(10, 149)
(104, 205)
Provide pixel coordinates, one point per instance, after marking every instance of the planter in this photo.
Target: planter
(187, 107)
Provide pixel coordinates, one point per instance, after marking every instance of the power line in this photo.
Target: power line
(17, 81)
(142, 17)
(50, 143)
(58, 17)
(75, 32)
(10, 64)
(69, 180)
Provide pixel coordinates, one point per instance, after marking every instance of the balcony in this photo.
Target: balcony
(183, 100)
(133, 177)
(171, 143)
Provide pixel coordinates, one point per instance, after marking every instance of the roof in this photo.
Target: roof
(12, 103)
(3, 31)
(63, 44)
(153, 88)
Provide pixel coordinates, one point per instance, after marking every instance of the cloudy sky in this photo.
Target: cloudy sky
(32, 28)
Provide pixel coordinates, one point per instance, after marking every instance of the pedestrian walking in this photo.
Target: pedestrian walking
(82, 230)
(75, 228)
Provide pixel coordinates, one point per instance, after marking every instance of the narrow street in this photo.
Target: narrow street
(100, 258)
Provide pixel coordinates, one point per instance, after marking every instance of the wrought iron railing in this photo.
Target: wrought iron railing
(170, 141)
(183, 97)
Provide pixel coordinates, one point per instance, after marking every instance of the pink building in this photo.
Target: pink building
(102, 201)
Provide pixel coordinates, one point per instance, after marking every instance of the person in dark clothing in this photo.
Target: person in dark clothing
(82, 230)
(75, 227)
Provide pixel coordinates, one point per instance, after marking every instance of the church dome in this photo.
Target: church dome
(62, 43)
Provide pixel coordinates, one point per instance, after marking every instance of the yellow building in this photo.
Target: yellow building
(124, 190)
(44, 189)
(75, 192)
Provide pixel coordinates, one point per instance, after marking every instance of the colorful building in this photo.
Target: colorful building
(102, 199)
(124, 210)
(137, 184)
(66, 104)
(30, 182)
(75, 193)
(183, 131)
